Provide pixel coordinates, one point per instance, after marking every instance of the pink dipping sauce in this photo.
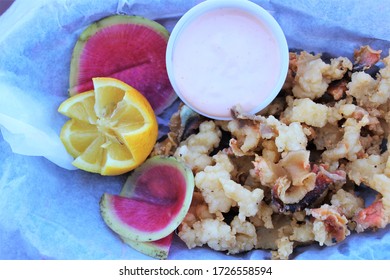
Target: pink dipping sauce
(226, 57)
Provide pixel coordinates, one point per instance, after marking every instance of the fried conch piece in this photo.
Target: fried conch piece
(370, 92)
(347, 203)
(350, 146)
(248, 202)
(298, 181)
(329, 227)
(313, 75)
(195, 150)
(247, 136)
(362, 170)
(209, 183)
(294, 183)
(250, 130)
(305, 110)
(221, 193)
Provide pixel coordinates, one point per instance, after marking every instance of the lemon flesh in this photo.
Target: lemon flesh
(111, 130)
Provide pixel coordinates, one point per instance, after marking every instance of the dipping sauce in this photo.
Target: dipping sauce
(226, 57)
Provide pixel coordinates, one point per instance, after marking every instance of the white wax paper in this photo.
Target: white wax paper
(50, 211)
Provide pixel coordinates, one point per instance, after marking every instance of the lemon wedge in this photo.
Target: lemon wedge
(112, 129)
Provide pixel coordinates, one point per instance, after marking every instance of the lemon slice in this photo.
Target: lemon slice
(111, 130)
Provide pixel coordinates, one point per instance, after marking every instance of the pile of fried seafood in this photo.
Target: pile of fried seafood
(297, 172)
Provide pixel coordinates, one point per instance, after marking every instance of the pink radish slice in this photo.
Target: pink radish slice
(153, 202)
(129, 48)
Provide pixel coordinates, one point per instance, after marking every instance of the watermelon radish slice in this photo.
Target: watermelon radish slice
(153, 202)
(129, 48)
(157, 249)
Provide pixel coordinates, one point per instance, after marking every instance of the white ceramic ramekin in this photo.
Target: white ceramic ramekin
(246, 6)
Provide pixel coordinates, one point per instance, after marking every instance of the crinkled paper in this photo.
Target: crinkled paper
(48, 210)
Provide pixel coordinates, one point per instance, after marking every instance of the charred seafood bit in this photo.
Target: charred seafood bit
(366, 57)
(289, 175)
(371, 217)
(183, 123)
(338, 89)
(377, 215)
(320, 185)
